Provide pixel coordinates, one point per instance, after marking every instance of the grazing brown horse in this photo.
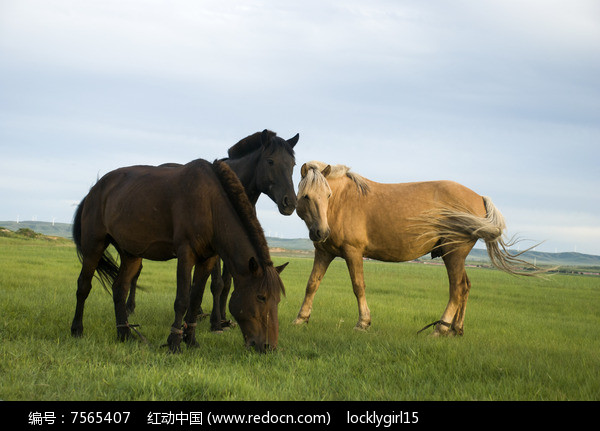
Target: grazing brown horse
(264, 163)
(352, 217)
(191, 213)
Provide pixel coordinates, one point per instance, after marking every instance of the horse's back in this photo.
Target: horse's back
(142, 207)
(382, 222)
(404, 199)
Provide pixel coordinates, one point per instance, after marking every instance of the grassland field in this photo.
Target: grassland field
(525, 339)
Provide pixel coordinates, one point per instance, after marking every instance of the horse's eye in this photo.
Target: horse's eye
(270, 162)
(261, 298)
(305, 197)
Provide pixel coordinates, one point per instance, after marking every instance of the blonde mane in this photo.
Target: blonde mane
(314, 179)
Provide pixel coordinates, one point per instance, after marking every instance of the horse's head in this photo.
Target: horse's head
(313, 199)
(254, 304)
(274, 171)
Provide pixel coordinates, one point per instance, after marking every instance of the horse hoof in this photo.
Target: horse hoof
(228, 324)
(301, 320)
(174, 343)
(190, 341)
(361, 326)
(174, 349)
(447, 333)
(123, 336)
(123, 332)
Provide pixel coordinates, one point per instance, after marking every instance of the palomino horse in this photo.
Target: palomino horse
(264, 163)
(191, 213)
(352, 217)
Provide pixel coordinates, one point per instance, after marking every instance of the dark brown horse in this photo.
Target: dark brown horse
(264, 163)
(192, 213)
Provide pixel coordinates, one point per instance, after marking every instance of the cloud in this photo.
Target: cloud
(502, 96)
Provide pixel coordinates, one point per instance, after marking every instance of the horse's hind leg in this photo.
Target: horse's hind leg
(89, 263)
(84, 285)
(460, 286)
(129, 269)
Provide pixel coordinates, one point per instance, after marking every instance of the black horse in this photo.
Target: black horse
(192, 213)
(264, 163)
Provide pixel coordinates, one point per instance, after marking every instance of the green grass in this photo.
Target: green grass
(524, 339)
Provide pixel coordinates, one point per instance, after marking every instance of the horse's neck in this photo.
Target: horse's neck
(339, 185)
(245, 169)
(348, 187)
(231, 240)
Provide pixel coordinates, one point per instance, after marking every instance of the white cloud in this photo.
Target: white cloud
(500, 95)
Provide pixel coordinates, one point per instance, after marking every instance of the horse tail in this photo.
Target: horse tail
(498, 248)
(453, 226)
(77, 228)
(107, 269)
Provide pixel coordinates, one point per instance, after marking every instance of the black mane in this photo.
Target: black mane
(253, 142)
(237, 195)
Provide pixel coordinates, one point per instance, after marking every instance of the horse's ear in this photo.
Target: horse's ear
(264, 138)
(304, 170)
(293, 141)
(280, 268)
(254, 266)
(326, 171)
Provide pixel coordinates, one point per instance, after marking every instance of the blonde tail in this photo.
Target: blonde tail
(498, 248)
(456, 226)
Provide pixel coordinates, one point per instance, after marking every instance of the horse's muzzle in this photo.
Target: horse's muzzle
(287, 206)
(319, 235)
(260, 348)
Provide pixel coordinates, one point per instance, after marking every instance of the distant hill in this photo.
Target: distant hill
(542, 258)
(477, 255)
(43, 227)
(301, 244)
(569, 259)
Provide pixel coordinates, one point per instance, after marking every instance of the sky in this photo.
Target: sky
(501, 96)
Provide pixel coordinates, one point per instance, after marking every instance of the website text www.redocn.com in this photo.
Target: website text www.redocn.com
(200, 418)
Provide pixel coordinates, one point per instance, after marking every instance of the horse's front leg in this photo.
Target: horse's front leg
(132, 289)
(320, 264)
(201, 273)
(354, 261)
(185, 263)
